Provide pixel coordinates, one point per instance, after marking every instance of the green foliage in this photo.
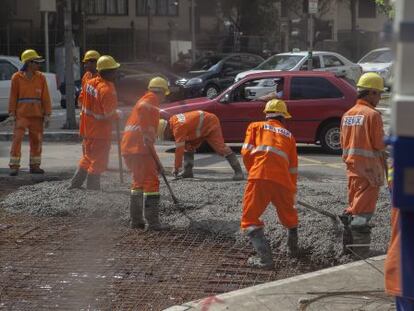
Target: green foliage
(386, 7)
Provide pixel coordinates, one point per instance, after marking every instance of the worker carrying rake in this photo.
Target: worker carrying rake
(99, 111)
(270, 156)
(138, 151)
(190, 130)
(362, 141)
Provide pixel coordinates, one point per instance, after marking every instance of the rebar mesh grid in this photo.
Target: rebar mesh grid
(97, 264)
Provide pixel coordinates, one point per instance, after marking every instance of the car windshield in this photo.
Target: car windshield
(206, 63)
(377, 57)
(280, 62)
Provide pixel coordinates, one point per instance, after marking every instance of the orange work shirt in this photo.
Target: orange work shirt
(269, 153)
(86, 77)
(98, 109)
(29, 97)
(362, 141)
(143, 120)
(190, 126)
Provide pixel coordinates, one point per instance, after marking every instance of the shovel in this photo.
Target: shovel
(334, 217)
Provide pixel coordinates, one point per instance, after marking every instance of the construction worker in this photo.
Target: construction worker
(269, 154)
(138, 151)
(190, 130)
(89, 64)
(99, 111)
(29, 108)
(363, 148)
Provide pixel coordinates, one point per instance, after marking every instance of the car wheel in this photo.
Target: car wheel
(211, 91)
(330, 138)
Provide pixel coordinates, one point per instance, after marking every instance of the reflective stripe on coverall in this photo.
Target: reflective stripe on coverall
(99, 110)
(270, 157)
(143, 121)
(29, 102)
(362, 142)
(190, 129)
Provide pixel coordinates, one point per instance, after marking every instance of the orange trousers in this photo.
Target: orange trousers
(257, 196)
(214, 139)
(95, 155)
(362, 197)
(144, 173)
(35, 127)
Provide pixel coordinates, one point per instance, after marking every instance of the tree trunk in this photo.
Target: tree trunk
(354, 34)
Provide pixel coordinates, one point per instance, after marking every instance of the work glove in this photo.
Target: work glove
(46, 121)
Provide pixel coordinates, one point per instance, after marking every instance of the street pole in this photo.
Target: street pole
(311, 39)
(149, 43)
(47, 41)
(193, 35)
(69, 80)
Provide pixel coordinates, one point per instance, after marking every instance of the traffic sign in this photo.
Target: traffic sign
(313, 6)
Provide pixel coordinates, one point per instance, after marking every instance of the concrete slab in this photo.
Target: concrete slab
(354, 286)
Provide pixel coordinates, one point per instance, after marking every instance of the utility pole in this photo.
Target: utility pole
(193, 34)
(69, 80)
(312, 10)
(149, 43)
(47, 6)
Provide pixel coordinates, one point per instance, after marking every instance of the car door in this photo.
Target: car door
(7, 70)
(311, 100)
(237, 109)
(333, 64)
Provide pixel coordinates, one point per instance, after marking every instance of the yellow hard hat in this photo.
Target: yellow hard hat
(160, 83)
(277, 106)
(29, 55)
(106, 62)
(162, 125)
(371, 81)
(91, 54)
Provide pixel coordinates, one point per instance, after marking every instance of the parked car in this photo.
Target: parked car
(322, 61)
(133, 79)
(212, 74)
(380, 61)
(8, 66)
(77, 90)
(316, 100)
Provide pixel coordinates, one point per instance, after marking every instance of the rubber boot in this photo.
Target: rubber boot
(235, 165)
(78, 179)
(263, 259)
(152, 213)
(93, 182)
(14, 171)
(136, 209)
(361, 237)
(292, 242)
(188, 165)
(35, 169)
(347, 234)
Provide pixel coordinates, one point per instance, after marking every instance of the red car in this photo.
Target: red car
(316, 101)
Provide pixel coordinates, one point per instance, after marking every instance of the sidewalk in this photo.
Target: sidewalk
(354, 286)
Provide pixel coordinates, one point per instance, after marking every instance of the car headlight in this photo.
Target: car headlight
(194, 81)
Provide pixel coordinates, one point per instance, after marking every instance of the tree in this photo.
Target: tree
(386, 7)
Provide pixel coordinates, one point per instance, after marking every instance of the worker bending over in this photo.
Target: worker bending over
(362, 141)
(190, 130)
(138, 151)
(269, 154)
(99, 103)
(29, 108)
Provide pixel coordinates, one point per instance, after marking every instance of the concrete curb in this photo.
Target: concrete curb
(264, 289)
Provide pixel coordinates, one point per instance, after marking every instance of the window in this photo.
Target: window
(232, 65)
(332, 61)
(251, 61)
(6, 70)
(367, 9)
(107, 7)
(313, 88)
(316, 63)
(253, 89)
(158, 7)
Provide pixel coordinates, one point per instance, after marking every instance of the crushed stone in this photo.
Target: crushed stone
(214, 204)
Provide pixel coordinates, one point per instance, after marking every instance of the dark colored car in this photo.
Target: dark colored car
(133, 79)
(62, 89)
(316, 101)
(212, 74)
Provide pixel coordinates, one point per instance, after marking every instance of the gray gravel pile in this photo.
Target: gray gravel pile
(214, 204)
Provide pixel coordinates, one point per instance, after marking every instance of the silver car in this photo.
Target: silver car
(380, 61)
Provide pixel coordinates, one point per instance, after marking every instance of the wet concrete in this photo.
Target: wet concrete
(213, 203)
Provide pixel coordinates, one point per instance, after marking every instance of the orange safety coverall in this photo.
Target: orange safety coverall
(190, 129)
(142, 122)
(393, 260)
(29, 102)
(270, 156)
(362, 143)
(98, 110)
